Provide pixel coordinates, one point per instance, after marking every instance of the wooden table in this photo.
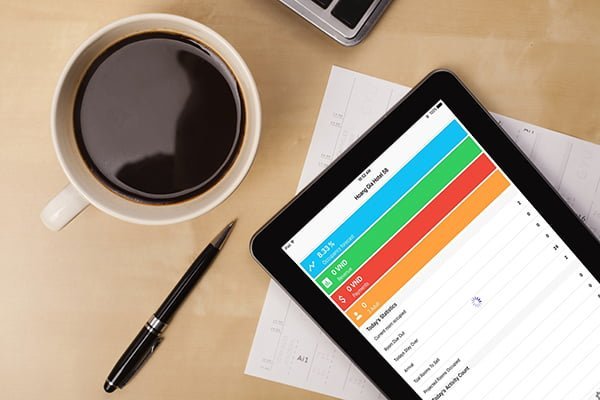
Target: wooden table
(72, 300)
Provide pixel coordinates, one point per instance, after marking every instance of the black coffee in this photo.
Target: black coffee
(158, 117)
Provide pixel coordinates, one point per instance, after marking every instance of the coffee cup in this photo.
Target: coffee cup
(72, 119)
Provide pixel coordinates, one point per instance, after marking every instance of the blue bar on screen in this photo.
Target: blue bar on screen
(383, 199)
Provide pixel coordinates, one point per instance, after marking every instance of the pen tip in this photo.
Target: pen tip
(220, 239)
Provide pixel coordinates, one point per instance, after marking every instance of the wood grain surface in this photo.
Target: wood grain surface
(72, 300)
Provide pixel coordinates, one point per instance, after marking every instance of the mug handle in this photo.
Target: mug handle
(65, 206)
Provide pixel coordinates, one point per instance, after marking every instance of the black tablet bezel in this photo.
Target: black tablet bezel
(266, 245)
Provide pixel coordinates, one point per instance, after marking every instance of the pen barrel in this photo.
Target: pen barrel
(186, 284)
(142, 346)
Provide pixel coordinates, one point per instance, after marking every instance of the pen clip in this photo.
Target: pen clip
(143, 359)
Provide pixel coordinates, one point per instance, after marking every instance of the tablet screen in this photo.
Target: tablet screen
(454, 278)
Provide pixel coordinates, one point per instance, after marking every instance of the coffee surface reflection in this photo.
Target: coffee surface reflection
(158, 117)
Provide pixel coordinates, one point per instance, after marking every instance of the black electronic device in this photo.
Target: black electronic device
(346, 21)
(440, 261)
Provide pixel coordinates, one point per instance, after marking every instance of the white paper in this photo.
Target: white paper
(288, 347)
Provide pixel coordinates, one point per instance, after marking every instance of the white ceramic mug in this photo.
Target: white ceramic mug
(85, 189)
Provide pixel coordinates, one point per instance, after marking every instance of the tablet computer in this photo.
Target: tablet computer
(441, 262)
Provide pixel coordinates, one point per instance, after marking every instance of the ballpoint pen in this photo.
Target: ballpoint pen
(150, 336)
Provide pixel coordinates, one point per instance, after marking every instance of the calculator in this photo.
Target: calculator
(346, 21)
